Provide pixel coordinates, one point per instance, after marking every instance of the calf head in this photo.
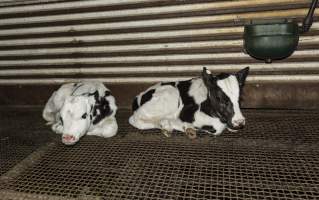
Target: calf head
(224, 91)
(75, 118)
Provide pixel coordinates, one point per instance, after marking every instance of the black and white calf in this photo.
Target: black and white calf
(210, 103)
(76, 109)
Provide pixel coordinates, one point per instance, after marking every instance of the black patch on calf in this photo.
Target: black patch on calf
(147, 96)
(218, 104)
(95, 94)
(107, 93)
(205, 107)
(134, 104)
(187, 113)
(241, 77)
(226, 110)
(169, 83)
(61, 120)
(190, 107)
(103, 106)
(209, 109)
(214, 108)
(222, 76)
(84, 116)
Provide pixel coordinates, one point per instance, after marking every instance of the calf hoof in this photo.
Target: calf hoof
(57, 128)
(166, 133)
(191, 133)
(68, 139)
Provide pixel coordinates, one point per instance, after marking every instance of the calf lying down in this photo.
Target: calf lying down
(210, 103)
(76, 109)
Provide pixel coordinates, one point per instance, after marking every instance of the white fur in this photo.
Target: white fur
(198, 91)
(70, 102)
(152, 112)
(162, 111)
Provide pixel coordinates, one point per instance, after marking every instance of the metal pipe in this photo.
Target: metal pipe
(257, 79)
(307, 22)
(255, 67)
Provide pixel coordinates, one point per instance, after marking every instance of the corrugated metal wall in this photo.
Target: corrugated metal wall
(144, 41)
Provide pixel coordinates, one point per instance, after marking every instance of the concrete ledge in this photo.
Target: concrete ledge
(299, 95)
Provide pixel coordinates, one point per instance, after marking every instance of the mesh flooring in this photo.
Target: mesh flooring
(274, 157)
(21, 132)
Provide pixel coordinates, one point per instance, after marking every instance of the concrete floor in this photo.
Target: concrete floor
(276, 157)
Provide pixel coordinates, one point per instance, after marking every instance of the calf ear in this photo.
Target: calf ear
(241, 76)
(207, 77)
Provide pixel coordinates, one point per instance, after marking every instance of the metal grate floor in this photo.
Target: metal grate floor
(275, 157)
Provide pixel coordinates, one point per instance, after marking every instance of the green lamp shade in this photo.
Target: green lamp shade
(271, 41)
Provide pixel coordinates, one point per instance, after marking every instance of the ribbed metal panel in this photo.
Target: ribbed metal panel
(143, 41)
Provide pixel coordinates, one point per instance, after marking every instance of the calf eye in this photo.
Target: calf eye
(61, 120)
(84, 116)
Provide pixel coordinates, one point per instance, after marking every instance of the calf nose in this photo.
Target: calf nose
(239, 123)
(68, 139)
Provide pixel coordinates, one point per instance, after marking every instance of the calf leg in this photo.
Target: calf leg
(106, 128)
(219, 127)
(57, 127)
(141, 124)
(168, 125)
(201, 120)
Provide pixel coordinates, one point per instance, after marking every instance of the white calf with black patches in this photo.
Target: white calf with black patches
(76, 109)
(209, 103)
